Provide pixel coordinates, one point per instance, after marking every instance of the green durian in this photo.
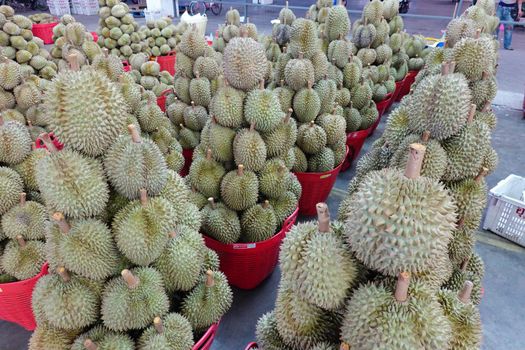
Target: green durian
(200, 90)
(334, 126)
(321, 162)
(306, 104)
(303, 38)
(284, 206)
(240, 189)
(221, 223)
(22, 259)
(101, 338)
(11, 186)
(206, 175)
(15, 141)
(273, 178)
(311, 138)
(282, 138)
(261, 107)
(249, 149)
(267, 333)
(227, 107)
(47, 337)
(244, 63)
(28, 220)
(173, 331)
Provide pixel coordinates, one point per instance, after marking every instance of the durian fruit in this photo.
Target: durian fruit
(316, 263)
(249, 149)
(87, 124)
(55, 294)
(86, 247)
(464, 317)
(373, 227)
(471, 269)
(221, 223)
(100, 337)
(334, 126)
(141, 228)
(180, 262)
(303, 38)
(258, 223)
(71, 183)
(244, 63)
(206, 175)
(267, 333)
(28, 219)
(22, 259)
(200, 90)
(479, 49)
(282, 138)
(11, 74)
(15, 141)
(207, 302)
(173, 331)
(406, 317)
(11, 186)
(149, 115)
(286, 15)
(133, 299)
(337, 22)
(460, 28)
(311, 138)
(261, 108)
(133, 163)
(227, 107)
(273, 178)
(298, 72)
(285, 205)
(219, 138)
(306, 104)
(240, 188)
(483, 91)
(47, 337)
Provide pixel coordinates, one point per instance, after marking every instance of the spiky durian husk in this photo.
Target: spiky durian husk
(206, 175)
(141, 230)
(104, 338)
(249, 150)
(227, 107)
(373, 12)
(440, 105)
(26, 168)
(483, 91)
(54, 298)
(180, 262)
(335, 127)
(378, 228)
(487, 117)
(15, 142)
(28, 220)
(301, 324)
(303, 38)
(23, 262)
(460, 28)
(458, 279)
(177, 334)
(284, 206)
(244, 63)
(206, 304)
(491, 159)
(262, 108)
(337, 23)
(317, 265)
(462, 244)
(47, 337)
(87, 111)
(311, 138)
(258, 223)
(240, 192)
(306, 105)
(474, 56)
(373, 316)
(221, 223)
(267, 333)
(281, 139)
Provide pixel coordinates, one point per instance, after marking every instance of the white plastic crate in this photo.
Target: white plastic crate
(152, 15)
(506, 209)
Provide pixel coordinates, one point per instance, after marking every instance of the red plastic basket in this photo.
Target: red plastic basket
(354, 141)
(210, 42)
(316, 188)
(126, 65)
(399, 86)
(39, 143)
(252, 345)
(207, 339)
(44, 31)
(167, 62)
(188, 159)
(161, 100)
(15, 301)
(381, 107)
(407, 84)
(95, 36)
(248, 264)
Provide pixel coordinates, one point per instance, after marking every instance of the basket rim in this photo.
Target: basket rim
(43, 271)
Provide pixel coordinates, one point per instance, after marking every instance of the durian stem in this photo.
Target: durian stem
(471, 113)
(61, 222)
(415, 161)
(486, 107)
(323, 217)
(312, 123)
(261, 84)
(240, 170)
(478, 33)
(344, 346)
(465, 292)
(426, 136)
(23, 197)
(282, 82)
(143, 196)
(464, 264)
(73, 62)
(460, 223)
(135, 136)
(1, 120)
(452, 67)
(301, 55)
(172, 234)
(64, 274)
(482, 173)
(252, 126)
(288, 116)
(210, 282)
(105, 51)
(444, 68)
(212, 202)
(89, 345)
(21, 241)
(266, 204)
(403, 281)
(208, 154)
(197, 75)
(48, 143)
(159, 327)
(131, 281)
(310, 84)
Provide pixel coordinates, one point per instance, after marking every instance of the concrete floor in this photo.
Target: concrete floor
(503, 306)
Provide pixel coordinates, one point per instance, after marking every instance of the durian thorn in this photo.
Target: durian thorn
(210, 282)
(23, 197)
(208, 154)
(63, 274)
(143, 196)
(415, 160)
(401, 292)
(323, 217)
(444, 68)
(212, 203)
(131, 280)
(464, 264)
(252, 126)
(159, 327)
(471, 113)
(72, 59)
(89, 345)
(21, 241)
(426, 136)
(482, 173)
(240, 170)
(486, 107)
(344, 346)
(288, 115)
(261, 84)
(48, 143)
(265, 204)
(465, 292)
(135, 136)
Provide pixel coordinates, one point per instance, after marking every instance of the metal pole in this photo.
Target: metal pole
(459, 8)
(246, 2)
(177, 8)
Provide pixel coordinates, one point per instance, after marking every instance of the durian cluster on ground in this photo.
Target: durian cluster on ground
(128, 266)
(161, 36)
(398, 270)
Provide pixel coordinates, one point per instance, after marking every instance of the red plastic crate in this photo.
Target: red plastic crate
(316, 188)
(95, 36)
(167, 62)
(399, 86)
(39, 143)
(188, 159)
(407, 84)
(246, 265)
(44, 31)
(207, 339)
(15, 300)
(161, 100)
(252, 345)
(381, 107)
(126, 65)
(354, 141)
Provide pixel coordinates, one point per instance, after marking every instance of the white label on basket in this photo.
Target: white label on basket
(245, 246)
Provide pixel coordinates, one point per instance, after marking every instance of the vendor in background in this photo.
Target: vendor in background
(508, 10)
